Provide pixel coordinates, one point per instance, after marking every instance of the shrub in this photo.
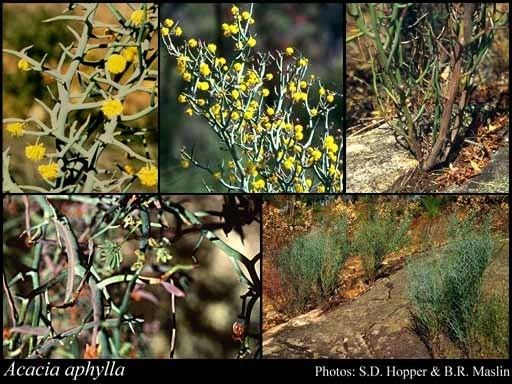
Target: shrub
(269, 115)
(444, 293)
(76, 286)
(310, 266)
(86, 119)
(489, 329)
(432, 205)
(376, 236)
(424, 60)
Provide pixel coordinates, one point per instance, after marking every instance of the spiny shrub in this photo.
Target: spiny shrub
(270, 116)
(72, 289)
(377, 235)
(105, 65)
(424, 60)
(310, 266)
(445, 292)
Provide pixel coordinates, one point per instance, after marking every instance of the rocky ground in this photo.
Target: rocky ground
(375, 162)
(376, 324)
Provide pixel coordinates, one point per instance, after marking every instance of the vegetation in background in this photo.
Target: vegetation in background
(377, 235)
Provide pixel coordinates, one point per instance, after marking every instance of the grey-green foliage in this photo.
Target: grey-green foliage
(378, 235)
(310, 266)
(444, 293)
(490, 327)
(75, 134)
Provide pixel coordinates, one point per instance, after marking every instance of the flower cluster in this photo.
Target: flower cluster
(269, 114)
(109, 62)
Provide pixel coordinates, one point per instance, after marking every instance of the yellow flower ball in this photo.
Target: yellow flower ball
(129, 169)
(251, 42)
(187, 76)
(185, 163)
(203, 85)
(148, 175)
(330, 98)
(220, 61)
(112, 108)
(235, 10)
(235, 94)
(270, 111)
(164, 31)
(48, 171)
(303, 84)
(130, 53)
(204, 69)
(178, 31)
(289, 51)
(237, 67)
(258, 185)
(15, 129)
(169, 22)
(212, 48)
(269, 76)
(189, 112)
(192, 43)
(265, 92)
(201, 102)
(35, 152)
(116, 64)
(24, 65)
(246, 15)
(321, 189)
(321, 91)
(303, 62)
(137, 17)
(182, 99)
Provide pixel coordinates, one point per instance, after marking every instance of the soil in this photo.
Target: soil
(377, 324)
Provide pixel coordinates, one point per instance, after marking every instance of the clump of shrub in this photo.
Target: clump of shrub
(445, 294)
(378, 235)
(310, 266)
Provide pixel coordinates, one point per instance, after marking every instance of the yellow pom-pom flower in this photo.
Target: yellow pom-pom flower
(116, 64)
(185, 163)
(24, 65)
(35, 152)
(178, 31)
(112, 108)
(258, 185)
(192, 43)
(269, 76)
(164, 31)
(15, 129)
(129, 54)
(204, 69)
(48, 171)
(137, 17)
(251, 42)
(203, 85)
(212, 48)
(169, 23)
(148, 175)
(289, 51)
